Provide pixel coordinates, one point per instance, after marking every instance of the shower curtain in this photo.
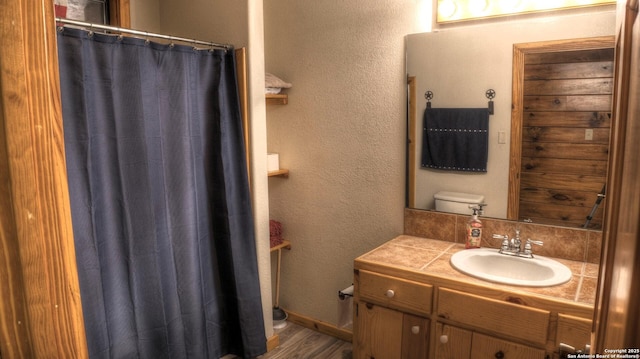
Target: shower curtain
(160, 199)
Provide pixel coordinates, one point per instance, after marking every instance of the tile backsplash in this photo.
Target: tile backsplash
(560, 242)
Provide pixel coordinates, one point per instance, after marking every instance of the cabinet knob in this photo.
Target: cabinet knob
(499, 355)
(415, 329)
(390, 293)
(444, 339)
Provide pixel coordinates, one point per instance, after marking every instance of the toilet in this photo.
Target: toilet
(457, 202)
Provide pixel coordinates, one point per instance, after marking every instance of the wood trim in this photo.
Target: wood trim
(241, 66)
(273, 342)
(120, 13)
(53, 325)
(519, 53)
(277, 99)
(15, 335)
(411, 141)
(319, 326)
(515, 157)
(616, 324)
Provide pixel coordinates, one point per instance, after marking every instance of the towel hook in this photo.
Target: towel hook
(491, 93)
(429, 96)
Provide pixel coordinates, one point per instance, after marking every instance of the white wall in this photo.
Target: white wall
(342, 136)
(458, 65)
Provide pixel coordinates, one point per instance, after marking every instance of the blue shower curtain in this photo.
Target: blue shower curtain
(160, 199)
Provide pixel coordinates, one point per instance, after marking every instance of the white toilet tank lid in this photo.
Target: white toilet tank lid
(459, 197)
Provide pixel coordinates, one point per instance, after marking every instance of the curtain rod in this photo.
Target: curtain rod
(141, 33)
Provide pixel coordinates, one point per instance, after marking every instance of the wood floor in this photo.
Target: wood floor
(297, 342)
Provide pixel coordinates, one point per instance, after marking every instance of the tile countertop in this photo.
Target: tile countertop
(431, 256)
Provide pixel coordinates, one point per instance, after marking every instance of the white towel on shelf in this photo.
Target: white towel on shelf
(272, 81)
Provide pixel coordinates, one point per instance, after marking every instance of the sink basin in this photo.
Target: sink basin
(488, 264)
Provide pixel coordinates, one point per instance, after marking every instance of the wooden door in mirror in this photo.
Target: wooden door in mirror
(560, 131)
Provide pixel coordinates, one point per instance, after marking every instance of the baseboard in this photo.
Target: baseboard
(319, 326)
(273, 342)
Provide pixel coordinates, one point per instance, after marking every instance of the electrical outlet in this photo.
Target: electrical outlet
(588, 134)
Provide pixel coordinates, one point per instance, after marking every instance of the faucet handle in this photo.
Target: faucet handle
(527, 247)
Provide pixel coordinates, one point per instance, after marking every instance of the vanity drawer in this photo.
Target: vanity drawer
(395, 292)
(500, 317)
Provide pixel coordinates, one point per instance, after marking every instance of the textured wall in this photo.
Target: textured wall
(145, 15)
(342, 136)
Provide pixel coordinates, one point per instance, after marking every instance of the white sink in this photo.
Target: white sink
(488, 264)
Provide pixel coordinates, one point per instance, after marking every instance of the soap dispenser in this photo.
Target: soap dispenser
(474, 230)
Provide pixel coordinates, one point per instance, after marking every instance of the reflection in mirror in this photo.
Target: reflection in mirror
(560, 125)
(458, 65)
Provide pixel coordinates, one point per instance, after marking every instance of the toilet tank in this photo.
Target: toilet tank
(456, 202)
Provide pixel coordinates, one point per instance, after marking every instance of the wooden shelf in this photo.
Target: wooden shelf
(284, 245)
(280, 172)
(277, 99)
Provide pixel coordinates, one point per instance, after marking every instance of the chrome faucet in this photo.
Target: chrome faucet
(514, 247)
(516, 243)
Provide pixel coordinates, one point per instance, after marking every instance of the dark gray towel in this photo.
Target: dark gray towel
(456, 139)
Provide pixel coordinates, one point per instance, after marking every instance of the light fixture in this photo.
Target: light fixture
(461, 10)
(446, 8)
(478, 7)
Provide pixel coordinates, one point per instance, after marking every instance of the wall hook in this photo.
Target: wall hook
(491, 93)
(429, 96)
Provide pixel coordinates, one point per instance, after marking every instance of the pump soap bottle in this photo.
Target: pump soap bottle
(474, 230)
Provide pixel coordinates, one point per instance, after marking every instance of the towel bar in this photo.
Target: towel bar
(490, 94)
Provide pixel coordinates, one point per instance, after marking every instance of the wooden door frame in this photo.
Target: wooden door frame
(411, 142)
(517, 104)
(40, 311)
(120, 13)
(617, 304)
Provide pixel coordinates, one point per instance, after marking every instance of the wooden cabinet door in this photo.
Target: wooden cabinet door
(486, 347)
(573, 331)
(378, 334)
(415, 337)
(452, 342)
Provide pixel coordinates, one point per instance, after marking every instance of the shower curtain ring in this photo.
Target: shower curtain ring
(90, 32)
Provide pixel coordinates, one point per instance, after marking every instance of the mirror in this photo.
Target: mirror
(458, 65)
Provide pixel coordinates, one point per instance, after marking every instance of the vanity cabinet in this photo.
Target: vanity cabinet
(457, 343)
(573, 331)
(393, 316)
(452, 342)
(388, 333)
(412, 311)
(500, 318)
(390, 317)
(410, 303)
